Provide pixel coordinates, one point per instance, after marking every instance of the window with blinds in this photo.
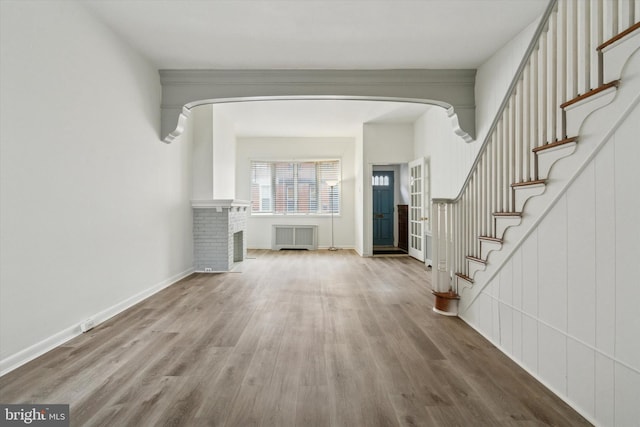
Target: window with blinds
(300, 188)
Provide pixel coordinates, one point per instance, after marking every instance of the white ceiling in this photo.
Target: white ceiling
(316, 34)
(315, 118)
(320, 34)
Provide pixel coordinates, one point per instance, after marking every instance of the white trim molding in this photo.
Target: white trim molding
(183, 90)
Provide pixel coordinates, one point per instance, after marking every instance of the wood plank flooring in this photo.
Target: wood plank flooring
(292, 339)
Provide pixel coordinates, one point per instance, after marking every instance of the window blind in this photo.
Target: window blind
(279, 187)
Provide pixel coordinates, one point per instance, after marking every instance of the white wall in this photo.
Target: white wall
(565, 305)
(451, 156)
(202, 175)
(359, 192)
(422, 143)
(224, 156)
(295, 149)
(383, 144)
(494, 77)
(94, 207)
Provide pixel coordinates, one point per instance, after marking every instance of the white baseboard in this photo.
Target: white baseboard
(18, 359)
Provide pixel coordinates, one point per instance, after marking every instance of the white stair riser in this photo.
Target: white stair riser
(474, 267)
(504, 222)
(546, 158)
(522, 194)
(615, 56)
(462, 284)
(487, 246)
(578, 112)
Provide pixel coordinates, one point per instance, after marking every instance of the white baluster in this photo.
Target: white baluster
(542, 92)
(533, 115)
(458, 237)
(552, 78)
(561, 70)
(499, 154)
(468, 248)
(450, 248)
(572, 50)
(483, 194)
(584, 52)
(487, 189)
(526, 123)
(636, 10)
(610, 19)
(469, 230)
(504, 165)
(496, 173)
(519, 133)
(460, 248)
(506, 146)
(595, 40)
(513, 141)
(476, 203)
(625, 19)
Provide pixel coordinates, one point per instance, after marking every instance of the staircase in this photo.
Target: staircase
(574, 66)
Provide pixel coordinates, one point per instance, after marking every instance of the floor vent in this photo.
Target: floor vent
(294, 237)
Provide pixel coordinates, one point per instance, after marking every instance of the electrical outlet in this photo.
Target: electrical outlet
(208, 269)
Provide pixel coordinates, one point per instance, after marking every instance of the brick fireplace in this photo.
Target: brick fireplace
(219, 234)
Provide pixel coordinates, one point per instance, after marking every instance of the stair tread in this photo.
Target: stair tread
(619, 36)
(472, 258)
(555, 144)
(590, 93)
(507, 214)
(464, 277)
(448, 295)
(528, 183)
(491, 239)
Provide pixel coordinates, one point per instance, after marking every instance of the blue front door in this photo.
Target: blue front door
(383, 208)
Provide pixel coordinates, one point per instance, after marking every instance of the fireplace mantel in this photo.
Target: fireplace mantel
(220, 203)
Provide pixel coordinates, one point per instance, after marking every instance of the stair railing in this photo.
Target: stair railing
(561, 62)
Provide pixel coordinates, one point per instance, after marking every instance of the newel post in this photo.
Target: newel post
(446, 297)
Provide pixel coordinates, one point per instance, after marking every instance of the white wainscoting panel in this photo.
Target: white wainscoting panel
(516, 262)
(552, 262)
(605, 256)
(581, 284)
(581, 387)
(571, 317)
(605, 387)
(506, 283)
(530, 343)
(552, 354)
(627, 384)
(627, 230)
(530, 275)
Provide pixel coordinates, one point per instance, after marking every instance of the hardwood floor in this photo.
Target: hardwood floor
(295, 338)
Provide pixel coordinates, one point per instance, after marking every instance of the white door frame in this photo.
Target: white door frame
(416, 209)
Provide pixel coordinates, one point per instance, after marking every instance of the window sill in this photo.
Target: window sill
(269, 215)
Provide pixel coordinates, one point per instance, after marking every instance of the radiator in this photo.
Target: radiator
(294, 237)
